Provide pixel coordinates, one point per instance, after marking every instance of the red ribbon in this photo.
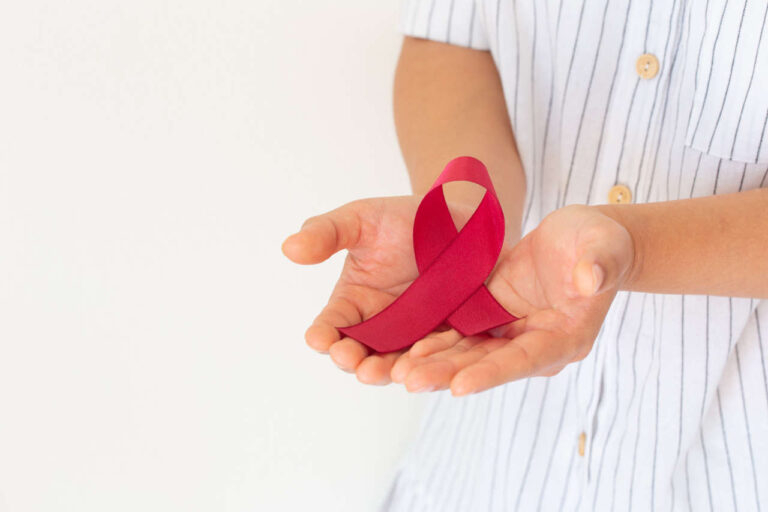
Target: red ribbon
(453, 267)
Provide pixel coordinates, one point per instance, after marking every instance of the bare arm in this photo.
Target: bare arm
(448, 102)
(715, 245)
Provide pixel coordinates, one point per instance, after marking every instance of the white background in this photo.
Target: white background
(153, 156)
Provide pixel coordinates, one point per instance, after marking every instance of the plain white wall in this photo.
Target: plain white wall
(153, 156)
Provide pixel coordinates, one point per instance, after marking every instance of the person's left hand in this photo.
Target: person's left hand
(560, 280)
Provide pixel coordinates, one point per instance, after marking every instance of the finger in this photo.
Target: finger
(430, 376)
(437, 370)
(401, 367)
(588, 276)
(323, 333)
(324, 235)
(510, 330)
(347, 354)
(416, 354)
(435, 342)
(553, 371)
(531, 353)
(375, 368)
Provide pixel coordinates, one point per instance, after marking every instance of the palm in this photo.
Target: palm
(535, 280)
(381, 264)
(538, 282)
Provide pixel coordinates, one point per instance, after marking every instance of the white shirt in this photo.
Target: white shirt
(672, 401)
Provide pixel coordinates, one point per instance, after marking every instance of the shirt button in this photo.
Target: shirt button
(619, 194)
(582, 443)
(647, 66)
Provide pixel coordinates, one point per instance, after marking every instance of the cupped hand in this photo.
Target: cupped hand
(379, 266)
(560, 280)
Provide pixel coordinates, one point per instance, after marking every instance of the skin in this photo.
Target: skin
(560, 279)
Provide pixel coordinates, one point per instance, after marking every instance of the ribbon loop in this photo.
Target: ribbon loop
(453, 266)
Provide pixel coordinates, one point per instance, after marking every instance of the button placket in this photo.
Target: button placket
(586, 419)
(582, 419)
(589, 424)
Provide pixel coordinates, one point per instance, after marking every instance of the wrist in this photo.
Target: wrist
(622, 215)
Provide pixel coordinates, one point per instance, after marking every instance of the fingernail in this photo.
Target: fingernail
(342, 368)
(498, 332)
(289, 240)
(377, 382)
(597, 278)
(464, 389)
(423, 389)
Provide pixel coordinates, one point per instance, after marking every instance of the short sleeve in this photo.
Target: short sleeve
(458, 22)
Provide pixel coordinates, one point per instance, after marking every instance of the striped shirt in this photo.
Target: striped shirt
(671, 405)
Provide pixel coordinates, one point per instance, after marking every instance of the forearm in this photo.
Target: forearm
(715, 245)
(448, 102)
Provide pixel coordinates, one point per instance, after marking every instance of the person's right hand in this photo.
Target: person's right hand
(380, 265)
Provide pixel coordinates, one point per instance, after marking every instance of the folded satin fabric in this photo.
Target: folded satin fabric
(453, 266)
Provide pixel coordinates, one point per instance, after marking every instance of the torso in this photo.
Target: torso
(673, 399)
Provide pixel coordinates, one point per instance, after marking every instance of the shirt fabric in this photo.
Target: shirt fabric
(673, 398)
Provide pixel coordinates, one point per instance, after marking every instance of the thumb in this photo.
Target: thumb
(604, 260)
(323, 235)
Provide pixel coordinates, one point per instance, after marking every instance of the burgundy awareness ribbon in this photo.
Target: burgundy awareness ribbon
(453, 266)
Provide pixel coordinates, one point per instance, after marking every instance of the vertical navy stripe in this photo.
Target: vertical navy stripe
(653, 108)
(517, 64)
(703, 403)
(608, 104)
(762, 354)
(495, 466)
(617, 405)
(658, 393)
(512, 438)
(762, 138)
(471, 24)
(535, 169)
(632, 100)
(632, 396)
(668, 78)
(570, 65)
(586, 101)
(728, 83)
(727, 452)
(698, 62)
(676, 123)
(567, 480)
(638, 420)
(746, 423)
(711, 69)
(429, 18)
(551, 457)
(751, 80)
(450, 18)
(458, 452)
(480, 438)
(532, 450)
